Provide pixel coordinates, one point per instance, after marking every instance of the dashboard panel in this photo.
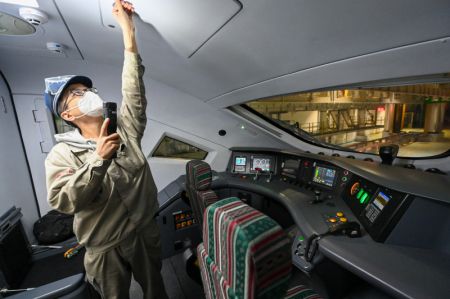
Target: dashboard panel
(378, 208)
(404, 241)
(403, 214)
(246, 163)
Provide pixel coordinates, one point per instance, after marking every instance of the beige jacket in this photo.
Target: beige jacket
(109, 199)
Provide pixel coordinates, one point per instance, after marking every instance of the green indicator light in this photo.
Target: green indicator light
(301, 238)
(361, 191)
(364, 197)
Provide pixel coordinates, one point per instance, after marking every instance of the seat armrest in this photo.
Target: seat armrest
(53, 290)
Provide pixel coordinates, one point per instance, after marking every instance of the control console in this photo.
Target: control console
(376, 207)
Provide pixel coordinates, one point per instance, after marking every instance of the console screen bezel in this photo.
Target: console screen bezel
(336, 174)
(271, 163)
(240, 168)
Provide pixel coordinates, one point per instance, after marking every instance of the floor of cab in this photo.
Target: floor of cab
(178, 284)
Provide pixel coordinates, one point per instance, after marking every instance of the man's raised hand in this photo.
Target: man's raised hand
(123, 13)
(107, 145)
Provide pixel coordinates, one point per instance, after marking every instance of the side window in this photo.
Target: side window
(172, 148)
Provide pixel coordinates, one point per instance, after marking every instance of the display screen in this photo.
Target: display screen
(263, 163)
(324, 176)
(240, 161)
(381, 200)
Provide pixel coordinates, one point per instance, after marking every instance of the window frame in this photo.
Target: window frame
(178, 139)
(398, 82)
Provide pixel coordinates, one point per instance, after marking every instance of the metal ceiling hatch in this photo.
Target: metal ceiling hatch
(186, 24)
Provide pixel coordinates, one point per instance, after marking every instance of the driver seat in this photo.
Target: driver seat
(198, 188)
(245, 255)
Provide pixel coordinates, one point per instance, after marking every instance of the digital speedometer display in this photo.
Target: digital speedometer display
(324, 176)
(240, 164)
(261, 163)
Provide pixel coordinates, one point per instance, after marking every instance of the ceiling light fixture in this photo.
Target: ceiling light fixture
(31, 3)
(12, 25)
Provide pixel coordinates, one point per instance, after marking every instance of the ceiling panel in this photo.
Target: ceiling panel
(267, 39)
(185, 24)
(36, 44)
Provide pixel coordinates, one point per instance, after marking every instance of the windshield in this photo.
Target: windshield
(415, 117)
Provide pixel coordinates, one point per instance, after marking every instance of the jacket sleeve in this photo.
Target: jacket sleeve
(71, 188)
(132, 116)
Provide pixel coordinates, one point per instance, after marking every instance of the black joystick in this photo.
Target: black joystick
(317, 198)
(388, 153)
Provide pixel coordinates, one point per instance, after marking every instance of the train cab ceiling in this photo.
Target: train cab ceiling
(229, 52)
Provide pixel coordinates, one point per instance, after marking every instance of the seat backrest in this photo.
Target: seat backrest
(198, 187)
(250, 250)
(15, 250)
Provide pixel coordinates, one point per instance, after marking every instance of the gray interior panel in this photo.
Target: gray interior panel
(267, 42)
(426, 225)
(185, 24)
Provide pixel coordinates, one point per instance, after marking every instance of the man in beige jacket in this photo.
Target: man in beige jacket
(105, 180)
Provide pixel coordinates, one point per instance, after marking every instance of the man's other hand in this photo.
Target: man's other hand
(107, 145)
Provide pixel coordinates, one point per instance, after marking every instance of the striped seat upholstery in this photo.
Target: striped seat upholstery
(198, 185)
(245, 254)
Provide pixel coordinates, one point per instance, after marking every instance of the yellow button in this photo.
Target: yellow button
(343, 219)
(332, 220)
(339, 214)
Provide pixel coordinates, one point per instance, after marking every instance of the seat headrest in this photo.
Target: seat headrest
(250, 249)
(200, 175)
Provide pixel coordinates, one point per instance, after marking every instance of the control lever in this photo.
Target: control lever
(258, 171)
(317, 198)
(351, 229)
(269, 179)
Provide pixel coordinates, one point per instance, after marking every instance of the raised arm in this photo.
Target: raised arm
(132, 116)
(123, 13)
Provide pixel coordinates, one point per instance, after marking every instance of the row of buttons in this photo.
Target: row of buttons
(183, 219)
(344, 178)
(372, 213)
(184, 224)
(337, 218)
(300, 251)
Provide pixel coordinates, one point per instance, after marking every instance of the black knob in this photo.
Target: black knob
(388, 153)
(409, 166)
(317, 197)
(435, 170)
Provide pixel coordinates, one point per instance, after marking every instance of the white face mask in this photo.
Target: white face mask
(90, 104)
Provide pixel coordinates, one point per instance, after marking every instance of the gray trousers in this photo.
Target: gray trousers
(138, 255)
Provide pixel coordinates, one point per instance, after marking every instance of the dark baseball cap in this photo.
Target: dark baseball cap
(56, 86)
